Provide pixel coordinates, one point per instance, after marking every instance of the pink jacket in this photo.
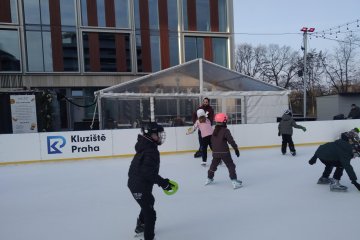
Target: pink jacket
(205, 128)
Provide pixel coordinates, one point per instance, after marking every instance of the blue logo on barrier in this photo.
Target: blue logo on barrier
(55, 143)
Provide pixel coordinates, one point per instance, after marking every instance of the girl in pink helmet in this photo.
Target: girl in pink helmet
(220, 139)
(206, 130)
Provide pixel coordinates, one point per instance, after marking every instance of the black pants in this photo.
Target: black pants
(229, 164)
(329, 167)
(287, 139)
(205, 142)
(147, 214)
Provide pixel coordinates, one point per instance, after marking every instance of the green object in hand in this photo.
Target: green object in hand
(174, 188)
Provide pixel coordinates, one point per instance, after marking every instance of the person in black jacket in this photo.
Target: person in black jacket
(336, 154)
(210, 115)
(144, 173)
(354, 112)
(286, 131)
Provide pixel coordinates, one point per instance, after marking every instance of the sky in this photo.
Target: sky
(286, 16)
(80, 200)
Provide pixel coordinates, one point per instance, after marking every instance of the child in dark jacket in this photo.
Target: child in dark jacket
(219, 141)
(336, 154)
(144, 173)
(286, 130)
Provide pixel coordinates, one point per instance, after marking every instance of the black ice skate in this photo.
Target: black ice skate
(140, 227)
(293, 153)
(324, 180)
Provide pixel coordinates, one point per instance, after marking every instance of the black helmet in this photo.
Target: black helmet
(148, 128)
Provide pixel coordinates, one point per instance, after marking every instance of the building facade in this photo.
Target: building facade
(75, 47)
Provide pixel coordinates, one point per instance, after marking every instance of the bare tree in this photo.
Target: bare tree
(281, 65)
(341, 68)
(249, 60)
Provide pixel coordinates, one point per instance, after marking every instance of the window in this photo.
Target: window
(174, 49)
(50, 48)
(107, 52)
(194, 48)
(155, 53)
(172, 15)
(114, 13)
(9, 50)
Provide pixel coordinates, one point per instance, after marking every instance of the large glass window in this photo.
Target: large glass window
(114, 52)
(9, 50)
(121, 11)
(203, 16)
(194, 48)
(45, 41)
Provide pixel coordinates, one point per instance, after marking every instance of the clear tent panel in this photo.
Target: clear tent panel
(182, 79)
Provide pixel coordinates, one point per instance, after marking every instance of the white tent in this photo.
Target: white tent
(171, 95)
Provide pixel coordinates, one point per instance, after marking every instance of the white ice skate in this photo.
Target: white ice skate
(209, 181)
(236, 183)
(335, 186)
(203, 164)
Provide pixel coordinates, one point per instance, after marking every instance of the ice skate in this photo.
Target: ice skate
(140, 227)
(324, 180)
(335, 186)
(236, 183)
(140, 236)
(209, 181)
(293, 153)
(203, 164)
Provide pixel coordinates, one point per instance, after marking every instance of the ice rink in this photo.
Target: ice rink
(89, 200)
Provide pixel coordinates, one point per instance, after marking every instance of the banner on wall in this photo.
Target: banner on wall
(23, 113)
(75, 144)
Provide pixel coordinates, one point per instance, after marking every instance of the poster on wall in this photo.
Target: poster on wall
(23, 113)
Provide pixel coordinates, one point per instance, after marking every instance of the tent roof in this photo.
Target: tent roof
(196, 77)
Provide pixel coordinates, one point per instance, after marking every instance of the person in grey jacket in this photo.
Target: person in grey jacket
(220, 139)
(286, 126)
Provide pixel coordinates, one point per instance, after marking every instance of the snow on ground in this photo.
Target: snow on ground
(89, 200)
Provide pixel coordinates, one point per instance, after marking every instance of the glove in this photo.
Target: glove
(279, 134)
(304, 129)
(237, 152)
(166, 185)
(357, 185)
(312, 161)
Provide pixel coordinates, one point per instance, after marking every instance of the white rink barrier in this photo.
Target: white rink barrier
(33, 147)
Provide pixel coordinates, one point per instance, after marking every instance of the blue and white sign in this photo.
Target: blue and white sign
(76, 144)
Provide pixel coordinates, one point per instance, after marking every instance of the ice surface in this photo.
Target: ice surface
(89, 200)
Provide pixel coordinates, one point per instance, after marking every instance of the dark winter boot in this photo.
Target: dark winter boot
(140, 227)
